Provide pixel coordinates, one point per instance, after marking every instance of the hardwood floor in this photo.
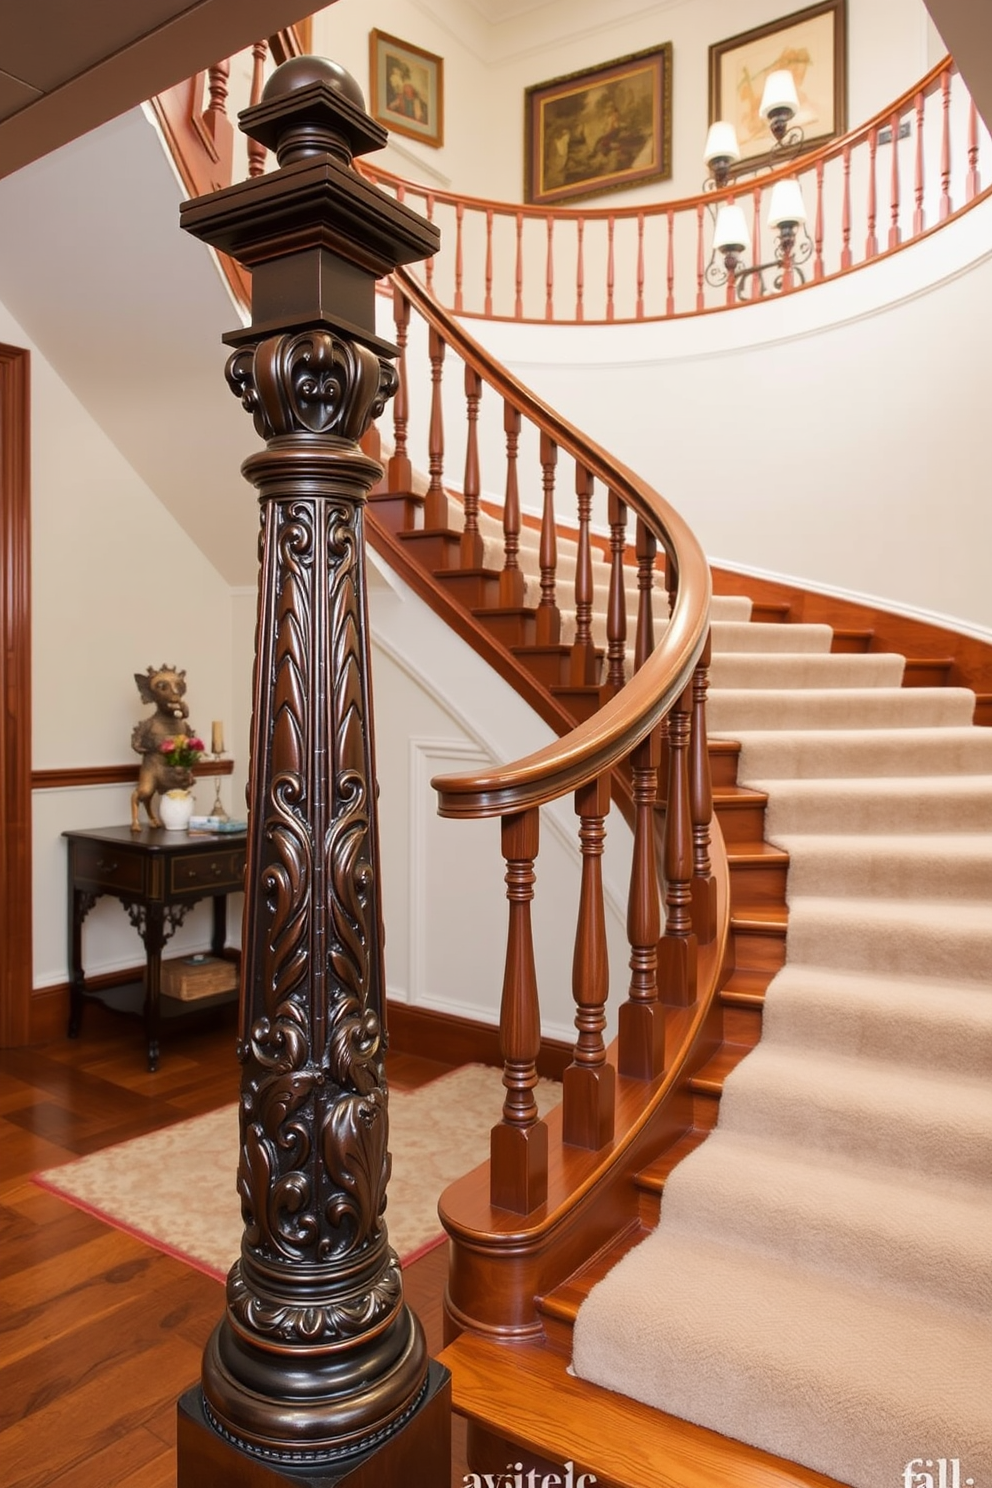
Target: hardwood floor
(101, 1333)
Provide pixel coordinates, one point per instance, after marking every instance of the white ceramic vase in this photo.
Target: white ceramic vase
(175, 809)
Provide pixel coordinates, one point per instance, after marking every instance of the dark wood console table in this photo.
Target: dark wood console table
(157, 876)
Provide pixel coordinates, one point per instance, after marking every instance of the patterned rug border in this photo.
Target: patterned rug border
(49, 1178)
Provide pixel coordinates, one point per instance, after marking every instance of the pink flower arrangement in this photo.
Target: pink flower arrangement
(183, 750)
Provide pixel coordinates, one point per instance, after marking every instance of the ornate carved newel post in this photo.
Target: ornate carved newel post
(318, 1372)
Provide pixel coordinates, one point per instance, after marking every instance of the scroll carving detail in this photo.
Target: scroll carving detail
(313, 382)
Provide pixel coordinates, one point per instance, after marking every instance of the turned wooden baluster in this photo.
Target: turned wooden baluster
(756, 237)
(589, 1083)
(945, 146)
(471, 544)
(399, 474)
(610, 268)
(580, 272)
(646, 547)
(548, 613)
(257, 151)
(511, 580)
(436, 501)
(846, 256)
(429, 266)
(616, 613)
(972, 184)
(582, 662)
(895, 236)
(641, 1027)
(671, 579)
(677, 951)
(215, 113)
(818, 229)
(700, 259)
(918, 184)
(518, 271)
(871, 243)
(701, 808)
(519, 1143)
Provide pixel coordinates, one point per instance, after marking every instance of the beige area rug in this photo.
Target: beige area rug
(820, 1283)
(159, 1186)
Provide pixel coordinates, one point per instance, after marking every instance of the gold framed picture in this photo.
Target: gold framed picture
(812, 45)
(407, 88)
(601, 129)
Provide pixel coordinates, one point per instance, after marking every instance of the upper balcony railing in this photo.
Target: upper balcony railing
(911, 168)
(907, 171)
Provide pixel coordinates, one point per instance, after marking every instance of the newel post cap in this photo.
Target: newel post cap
(315, 234)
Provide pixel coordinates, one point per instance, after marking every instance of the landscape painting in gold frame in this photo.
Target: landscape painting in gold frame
(601, 129)
(407, 88)
(812, 45)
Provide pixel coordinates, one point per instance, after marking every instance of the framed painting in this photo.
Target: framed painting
(812, 45)
(599, 130)
(407, 88)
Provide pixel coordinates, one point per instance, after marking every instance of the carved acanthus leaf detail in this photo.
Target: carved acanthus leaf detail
(311, 383)
(348, 1317)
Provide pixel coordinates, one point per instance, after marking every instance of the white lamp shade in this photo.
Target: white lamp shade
(721, 143)
(786, 203)
(730, 235)
(779, 93)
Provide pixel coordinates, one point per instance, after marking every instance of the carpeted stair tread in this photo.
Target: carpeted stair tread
(939, 1023)
(860, 1220)
(779, 755)
(737, 636)
(934, 865)
(904, 1116)
(889, 804)
(740, 670)
(733, 709)
(943, 938)
(824, 1362)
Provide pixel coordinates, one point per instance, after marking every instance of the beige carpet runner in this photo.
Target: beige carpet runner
(820, 1283)
(160, 1186)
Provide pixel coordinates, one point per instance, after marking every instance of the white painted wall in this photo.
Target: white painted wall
(116, 586)
(440, 710)
(842, 428)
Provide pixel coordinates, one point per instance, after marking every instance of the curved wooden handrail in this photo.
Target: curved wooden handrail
(599, 744)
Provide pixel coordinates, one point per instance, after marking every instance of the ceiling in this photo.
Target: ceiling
(66, 67)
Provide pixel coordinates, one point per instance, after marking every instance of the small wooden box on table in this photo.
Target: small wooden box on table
(157, 876)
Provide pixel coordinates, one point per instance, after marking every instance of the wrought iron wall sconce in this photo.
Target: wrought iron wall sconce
(786, 211)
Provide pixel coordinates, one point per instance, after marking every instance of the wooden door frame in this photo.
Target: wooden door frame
(16, 946)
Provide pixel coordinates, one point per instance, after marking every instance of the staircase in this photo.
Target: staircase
(768, 676)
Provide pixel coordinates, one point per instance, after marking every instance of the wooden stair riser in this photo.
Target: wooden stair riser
(398, 512)
(434, 550)
(741, 1025)
(474, 589)
(851, 642)
(927, 671)
(758, 881)
(758, 947)
(741, 814)
(513, 628)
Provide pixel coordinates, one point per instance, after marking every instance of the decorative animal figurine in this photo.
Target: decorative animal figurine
(165, 687)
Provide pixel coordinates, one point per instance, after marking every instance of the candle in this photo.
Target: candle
(217, 736)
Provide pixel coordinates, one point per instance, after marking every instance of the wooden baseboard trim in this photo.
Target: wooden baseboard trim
(455, 1040)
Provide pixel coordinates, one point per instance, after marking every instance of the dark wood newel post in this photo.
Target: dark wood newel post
(318, 1372)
